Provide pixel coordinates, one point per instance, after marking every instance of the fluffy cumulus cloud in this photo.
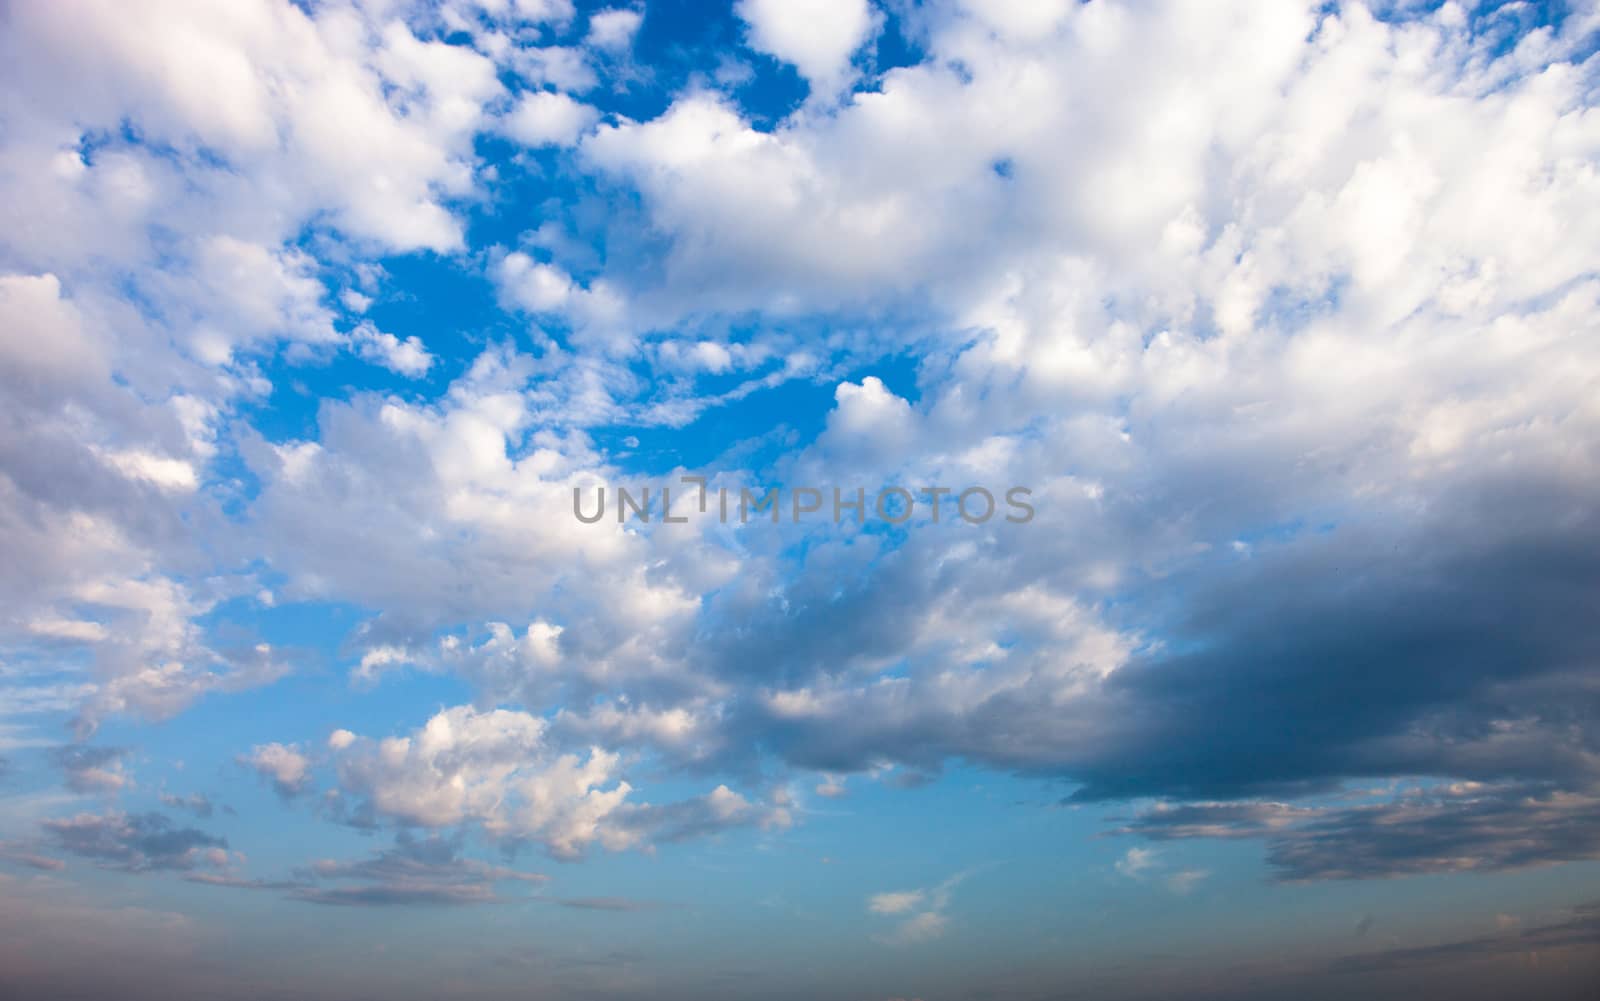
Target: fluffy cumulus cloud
(271, 90)
(817, 36)
(1264, 355)
(613, 29)
(159, 177)
(313, 318)
(405, 357)
(549, 118)
(283, 765)
(496, 770)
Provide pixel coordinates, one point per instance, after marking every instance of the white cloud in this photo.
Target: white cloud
(923, 927)
(288, 769)
(355, 301)
(921, 914)
(817, 36)
(497, 770)
(93, 769)
(405, 357)
(175, 261)
(242, 293)
(68, 629)
(1284, 284)
(832, 787)
(534, 285)
(1185, 880)
(1146, 866)
(1136, 862)
(43, 342)
(1019, 20)
(531, 11)
(495, 491)
(152, 659)
(279, 93)
(868, 424)
(548, 118)
(595, 308)
(895, 903)
(564, 67)
(613, 29)
(163, 471)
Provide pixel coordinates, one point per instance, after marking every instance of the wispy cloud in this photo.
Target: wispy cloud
(922, 915)
(1145, 865)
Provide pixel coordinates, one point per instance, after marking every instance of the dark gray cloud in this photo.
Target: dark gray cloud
(197, 803)
(1457, 650)
(243, 883)
(1579, 930)
(91, 769)
(134, 842)
(1499, 829)
(605, 904)
(700, 816)
(416, 871)
(1554, 959)
(1447, 829)
(1244, 819)
(1455, 646)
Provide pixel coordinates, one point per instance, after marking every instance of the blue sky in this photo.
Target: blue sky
(314, 317)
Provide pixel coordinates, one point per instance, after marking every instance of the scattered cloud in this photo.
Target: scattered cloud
(21, 855)
(405, 357)
(1303, 394)
(549, 118)
(495, 769)
(196, 803)
(92, 769)
(283, 765)
(140, 842)
(1442, 828)
(895, 902)
(612, 30)
(921, 915)
(621, 904)
(415, 871)
(817, 36)
(1145, 865)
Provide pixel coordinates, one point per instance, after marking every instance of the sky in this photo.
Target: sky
(1268, 329)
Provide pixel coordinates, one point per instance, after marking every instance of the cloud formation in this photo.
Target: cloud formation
(283, 765)
(495, 769)
(313, 317)
(136, 842)
(920, 915)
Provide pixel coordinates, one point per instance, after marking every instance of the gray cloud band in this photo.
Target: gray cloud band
(895, 505)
